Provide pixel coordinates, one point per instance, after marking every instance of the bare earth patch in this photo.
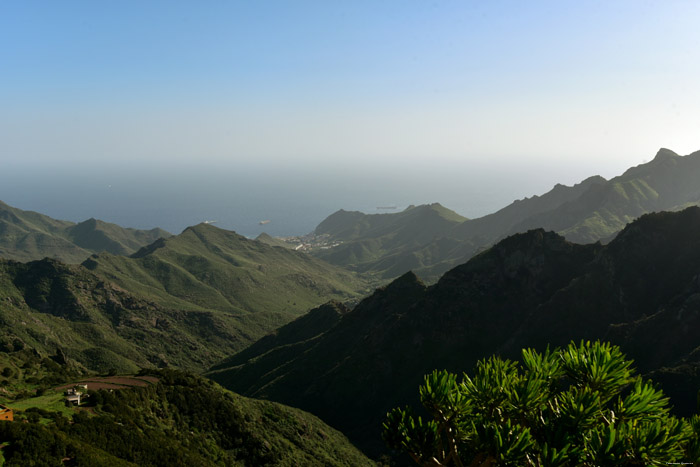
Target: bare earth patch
(113, 382)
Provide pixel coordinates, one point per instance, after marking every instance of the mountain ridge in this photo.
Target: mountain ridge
(593, 210)
(530, 289)
(185, 301)
(29, 236)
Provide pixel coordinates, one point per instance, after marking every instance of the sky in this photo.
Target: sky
(552, 90)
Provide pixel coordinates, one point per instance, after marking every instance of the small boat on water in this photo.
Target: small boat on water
(264, 222)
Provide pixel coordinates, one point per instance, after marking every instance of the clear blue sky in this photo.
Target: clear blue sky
(581, 87)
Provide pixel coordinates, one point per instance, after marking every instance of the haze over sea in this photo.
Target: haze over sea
(172, 113)
(292, 199)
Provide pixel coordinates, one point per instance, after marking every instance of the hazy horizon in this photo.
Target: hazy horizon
(295, 200)
(322, 106)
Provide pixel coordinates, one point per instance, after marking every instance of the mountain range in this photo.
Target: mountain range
(570, 264)
(188, 300)
(28, 235)
(534, 289)
(431, 239)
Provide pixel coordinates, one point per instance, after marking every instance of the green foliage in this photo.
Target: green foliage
(29, 236)
(182, 420)
(388, 245)
(430, 239)
(210, 268)
(188, 301)
(580, 405)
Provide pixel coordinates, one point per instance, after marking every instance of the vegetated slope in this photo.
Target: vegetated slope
(53, 308)
(415, 223)
(596, 209)
(593, 210)
(532, 289)
(508, 220)
(211, 268)
(273, 241)
(181, 420)
(188, 301)
(27, 236)
(669, 182)
(300, 333)
(390, 244)
(97, 236)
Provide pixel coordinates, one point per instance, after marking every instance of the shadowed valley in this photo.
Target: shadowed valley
(530, 290)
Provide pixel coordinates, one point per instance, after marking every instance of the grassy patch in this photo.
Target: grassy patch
(52, 401)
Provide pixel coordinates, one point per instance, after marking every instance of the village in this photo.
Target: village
(311, 242)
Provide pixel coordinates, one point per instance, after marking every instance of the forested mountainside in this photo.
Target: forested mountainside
(186, 301)
(171, 418)
(530, 290)
(27, 236)
(431, 239)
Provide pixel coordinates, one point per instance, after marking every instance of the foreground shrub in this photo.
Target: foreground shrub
(580, 405)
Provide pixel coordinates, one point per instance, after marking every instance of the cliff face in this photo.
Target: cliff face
(532, 289)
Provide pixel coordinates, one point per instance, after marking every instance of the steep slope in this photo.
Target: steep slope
(531, 289)
(417, 223)
(272, 241)
(211, 268)
(593, 210)
(179, 420)
(596, 209)
(187, 301)
(27, 236)
(506, 221)
(51, 307)
(383, 244)
(302, 330)
(668, 182)
(97, 236)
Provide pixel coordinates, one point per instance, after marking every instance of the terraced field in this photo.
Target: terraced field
(112, 382)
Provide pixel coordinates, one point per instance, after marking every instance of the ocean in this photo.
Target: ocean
(293, 201)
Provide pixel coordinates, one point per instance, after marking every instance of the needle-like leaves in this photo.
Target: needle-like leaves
(580, 405)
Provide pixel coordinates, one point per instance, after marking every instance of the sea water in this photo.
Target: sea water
(293, 201)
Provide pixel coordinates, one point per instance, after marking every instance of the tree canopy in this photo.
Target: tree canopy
(579, 405)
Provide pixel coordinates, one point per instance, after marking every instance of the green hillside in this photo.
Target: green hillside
(210, 268)
(386, 245)
(28, 236)
(530, 290)
(187, 301)
(273, 241)
(431, 239)
(597, 209)
(668, 183)
(96, 236)
(174, 419)
(51, 307)
(494, 226)
(414, 224)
